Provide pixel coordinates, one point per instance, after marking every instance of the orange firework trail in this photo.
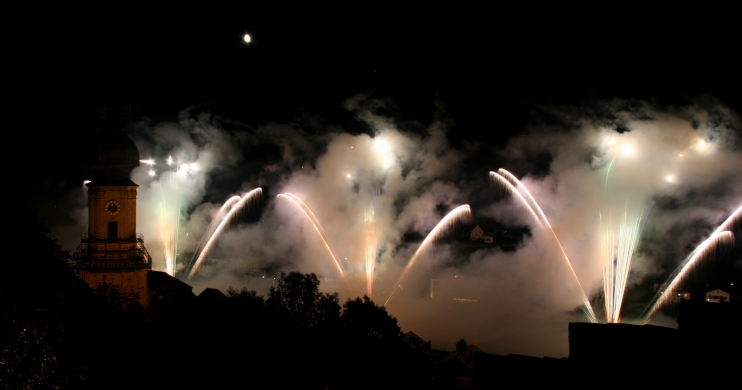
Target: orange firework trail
(701, 251)
(531, 205)
(397, 287)
(254, 194)
(306, 209)
(455, 215)
(517, 184)
(720, 236)
(212, 226)
(292, 199)
(730, 221)
(511, 188)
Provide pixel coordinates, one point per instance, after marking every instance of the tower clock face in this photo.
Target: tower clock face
(113, 207)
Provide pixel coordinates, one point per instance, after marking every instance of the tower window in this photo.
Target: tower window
(113, 231)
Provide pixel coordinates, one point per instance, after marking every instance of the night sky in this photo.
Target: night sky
(489, 66)
(491, 78)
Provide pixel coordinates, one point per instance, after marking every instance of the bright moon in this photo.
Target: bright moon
(247, 38)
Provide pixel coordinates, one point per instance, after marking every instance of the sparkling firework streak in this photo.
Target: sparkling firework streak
(511, 188)
(727, 224)
(316, 228)
(531, 205)
(719, 236)
(617, 256)
(306, 208)
(169, 217)
(370, 255)
(397, 287)
(608, 252)
(254, 194)
(451, 218)
(532, 202)
(700, 252)
(212, 226)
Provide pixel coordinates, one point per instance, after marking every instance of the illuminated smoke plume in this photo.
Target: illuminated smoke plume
(375, 194)
(181, 156)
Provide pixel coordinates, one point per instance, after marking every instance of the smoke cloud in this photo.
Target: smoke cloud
(387, 186)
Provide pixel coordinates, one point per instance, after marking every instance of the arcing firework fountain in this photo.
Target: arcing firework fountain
(317, 226)
(370, 250)
(515, 187)
(370, 192)
(720, 236)
(447, 222)
(213, 237)
(619, 241)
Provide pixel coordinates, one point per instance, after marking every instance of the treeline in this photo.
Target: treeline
(57, 333)
(294, 337)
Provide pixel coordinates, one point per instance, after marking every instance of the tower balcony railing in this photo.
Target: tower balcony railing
(139, 252)
(137, 237)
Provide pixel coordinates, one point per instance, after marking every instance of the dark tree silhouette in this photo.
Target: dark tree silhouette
(55, 332)
(297, 296)
(462, 346)
(246, 297)
(363, 317)
(39, 299)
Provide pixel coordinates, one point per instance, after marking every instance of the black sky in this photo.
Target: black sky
(490, 67)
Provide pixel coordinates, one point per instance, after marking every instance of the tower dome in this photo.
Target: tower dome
(110, 152)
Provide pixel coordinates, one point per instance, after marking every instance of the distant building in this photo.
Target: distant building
(677, 297)
(717, 296)
(416, 342)
(489, 235)
(163, 287)
(595, 343)
(479, 234)
(211, 296)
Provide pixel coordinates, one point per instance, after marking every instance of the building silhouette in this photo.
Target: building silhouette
(112, 253)
(717, 296)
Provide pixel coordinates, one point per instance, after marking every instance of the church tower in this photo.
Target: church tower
(112, 253)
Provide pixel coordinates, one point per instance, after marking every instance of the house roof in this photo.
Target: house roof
(211, 295)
